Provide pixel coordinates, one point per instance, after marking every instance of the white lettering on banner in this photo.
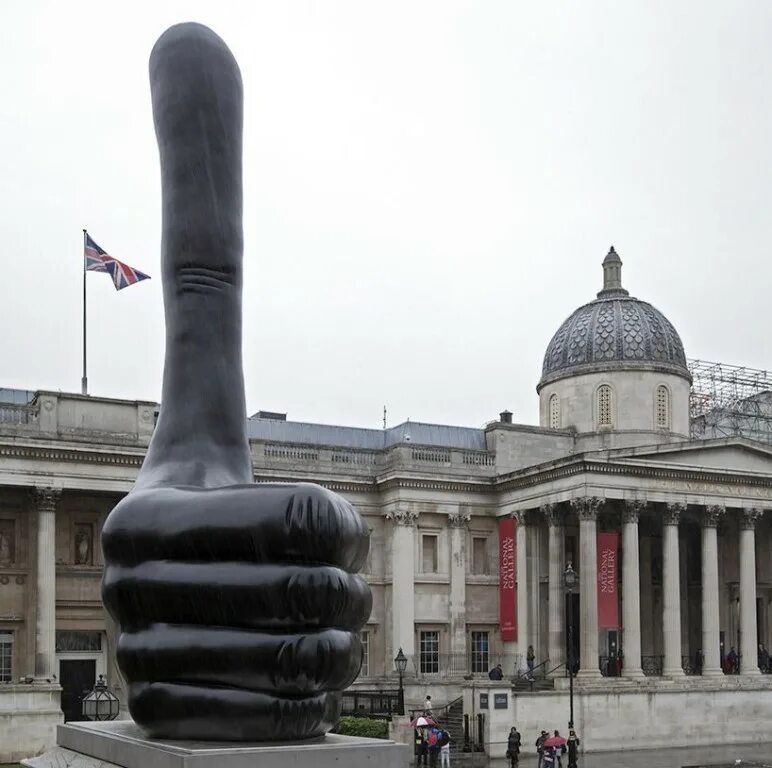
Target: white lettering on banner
(507, 574)
(607, 577)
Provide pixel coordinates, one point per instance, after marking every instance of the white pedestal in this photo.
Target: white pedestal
(122, 744)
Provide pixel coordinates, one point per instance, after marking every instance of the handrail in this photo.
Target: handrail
(530, 672)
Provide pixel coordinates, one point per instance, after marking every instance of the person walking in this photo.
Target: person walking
(763, 658)
(530, 659)
(573, 748)
(734, 661)
(513, 747)
(444, 743)
(540, 747)
(428, 705)
(421, 749)
(560, 749)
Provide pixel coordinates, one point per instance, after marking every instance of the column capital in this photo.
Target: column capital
(459, 519)
(749, 517)
(712, 515)
(586, 507)
(553, 515)
(632, 510)
(673, 512)
(402, 516)
(45, 499)
(520, 516)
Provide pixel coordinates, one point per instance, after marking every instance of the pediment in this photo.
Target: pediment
(732, 455)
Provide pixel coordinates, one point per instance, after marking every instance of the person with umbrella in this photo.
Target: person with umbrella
(421, 724)
(573, 748)
(556, 746)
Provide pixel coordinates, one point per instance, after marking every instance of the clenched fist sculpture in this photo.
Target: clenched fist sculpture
(239, 605)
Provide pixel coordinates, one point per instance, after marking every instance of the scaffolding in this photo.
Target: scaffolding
(730, 401)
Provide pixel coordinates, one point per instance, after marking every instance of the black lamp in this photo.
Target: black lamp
(400, 662)
(101, 703)
(569, 582)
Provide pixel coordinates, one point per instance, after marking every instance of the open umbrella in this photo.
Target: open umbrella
(554, 741)
(419, 722)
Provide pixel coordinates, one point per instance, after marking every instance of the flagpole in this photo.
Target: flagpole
(84, 380)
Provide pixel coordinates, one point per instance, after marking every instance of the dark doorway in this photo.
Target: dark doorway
(572, 621)
(77, 678)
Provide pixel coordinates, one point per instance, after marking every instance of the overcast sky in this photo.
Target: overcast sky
(430, 188)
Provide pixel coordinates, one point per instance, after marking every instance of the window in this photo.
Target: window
(6, 656)
(479, 555)
(72, 640)
(554, 412)
(480, 657)
(663, 407)
(429, 553)
(364, 637)
(429, 652)
(605, 406)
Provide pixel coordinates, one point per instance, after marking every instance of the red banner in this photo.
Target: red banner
(507, 579)
(608, 594)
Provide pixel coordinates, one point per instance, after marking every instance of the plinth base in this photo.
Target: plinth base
(122, 744)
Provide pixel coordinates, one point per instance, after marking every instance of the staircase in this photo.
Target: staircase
(522, 684)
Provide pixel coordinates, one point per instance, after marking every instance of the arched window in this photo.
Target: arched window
(554, 412)
(605, 406)
(663, 407)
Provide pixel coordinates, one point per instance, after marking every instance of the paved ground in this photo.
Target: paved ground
(756, 754)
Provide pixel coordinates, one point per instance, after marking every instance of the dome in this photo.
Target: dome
(613, 332)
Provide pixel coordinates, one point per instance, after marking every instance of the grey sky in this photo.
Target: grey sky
(429, 191)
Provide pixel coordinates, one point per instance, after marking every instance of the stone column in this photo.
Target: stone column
(587, 511)
(631, 589)
(671, 591)
(749, 660)
(458, 522)
(523, 634)
(557, 600)
(711, 665)
(45, 501)
(403, 579)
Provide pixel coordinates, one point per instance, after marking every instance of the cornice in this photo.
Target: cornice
(49, 453)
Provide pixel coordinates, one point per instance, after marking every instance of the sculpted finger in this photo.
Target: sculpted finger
(271, 597)
(281, 664)
(202, 713)
(269, 523)
(196, 90)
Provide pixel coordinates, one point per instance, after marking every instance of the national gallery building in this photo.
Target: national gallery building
(661, 507)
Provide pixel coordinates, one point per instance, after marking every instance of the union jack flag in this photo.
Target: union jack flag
(98, 260)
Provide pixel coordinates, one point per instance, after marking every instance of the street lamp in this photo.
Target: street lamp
(569, 582)
(400, 662)
(101, 703)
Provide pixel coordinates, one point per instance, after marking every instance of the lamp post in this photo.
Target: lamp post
(400, 662)
(569, 582)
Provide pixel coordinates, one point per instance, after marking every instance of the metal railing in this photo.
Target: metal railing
(443, 665)
(377, 704)
(652, 665)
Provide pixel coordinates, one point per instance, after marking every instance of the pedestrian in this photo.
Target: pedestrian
(513, 747)
(433, 740)
(559, 751)
(444, 743)
(540, 747)
(496, 673)
(428, 705)
(573, 748)
(530, 659)
(699, 658)
(763, 658)
(421, 749)
(734, 661)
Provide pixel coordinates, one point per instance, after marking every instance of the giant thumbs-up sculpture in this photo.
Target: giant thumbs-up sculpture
(239, 605)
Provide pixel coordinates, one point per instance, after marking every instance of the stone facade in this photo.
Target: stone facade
(693, 518)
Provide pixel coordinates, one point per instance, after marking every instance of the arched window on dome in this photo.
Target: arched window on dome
(554, 412)
(662, 407)
(605, 409)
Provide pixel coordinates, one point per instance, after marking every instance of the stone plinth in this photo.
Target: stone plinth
(29, 715)
(121, 744)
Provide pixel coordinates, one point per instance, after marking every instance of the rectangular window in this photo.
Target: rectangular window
(429, 553)
(73, 640)
(6, 657)
(479, 555)
(480, 656)
(364, 636)
(429, 652)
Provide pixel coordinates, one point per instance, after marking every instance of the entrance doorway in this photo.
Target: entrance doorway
(77, 678)
(572, 620)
